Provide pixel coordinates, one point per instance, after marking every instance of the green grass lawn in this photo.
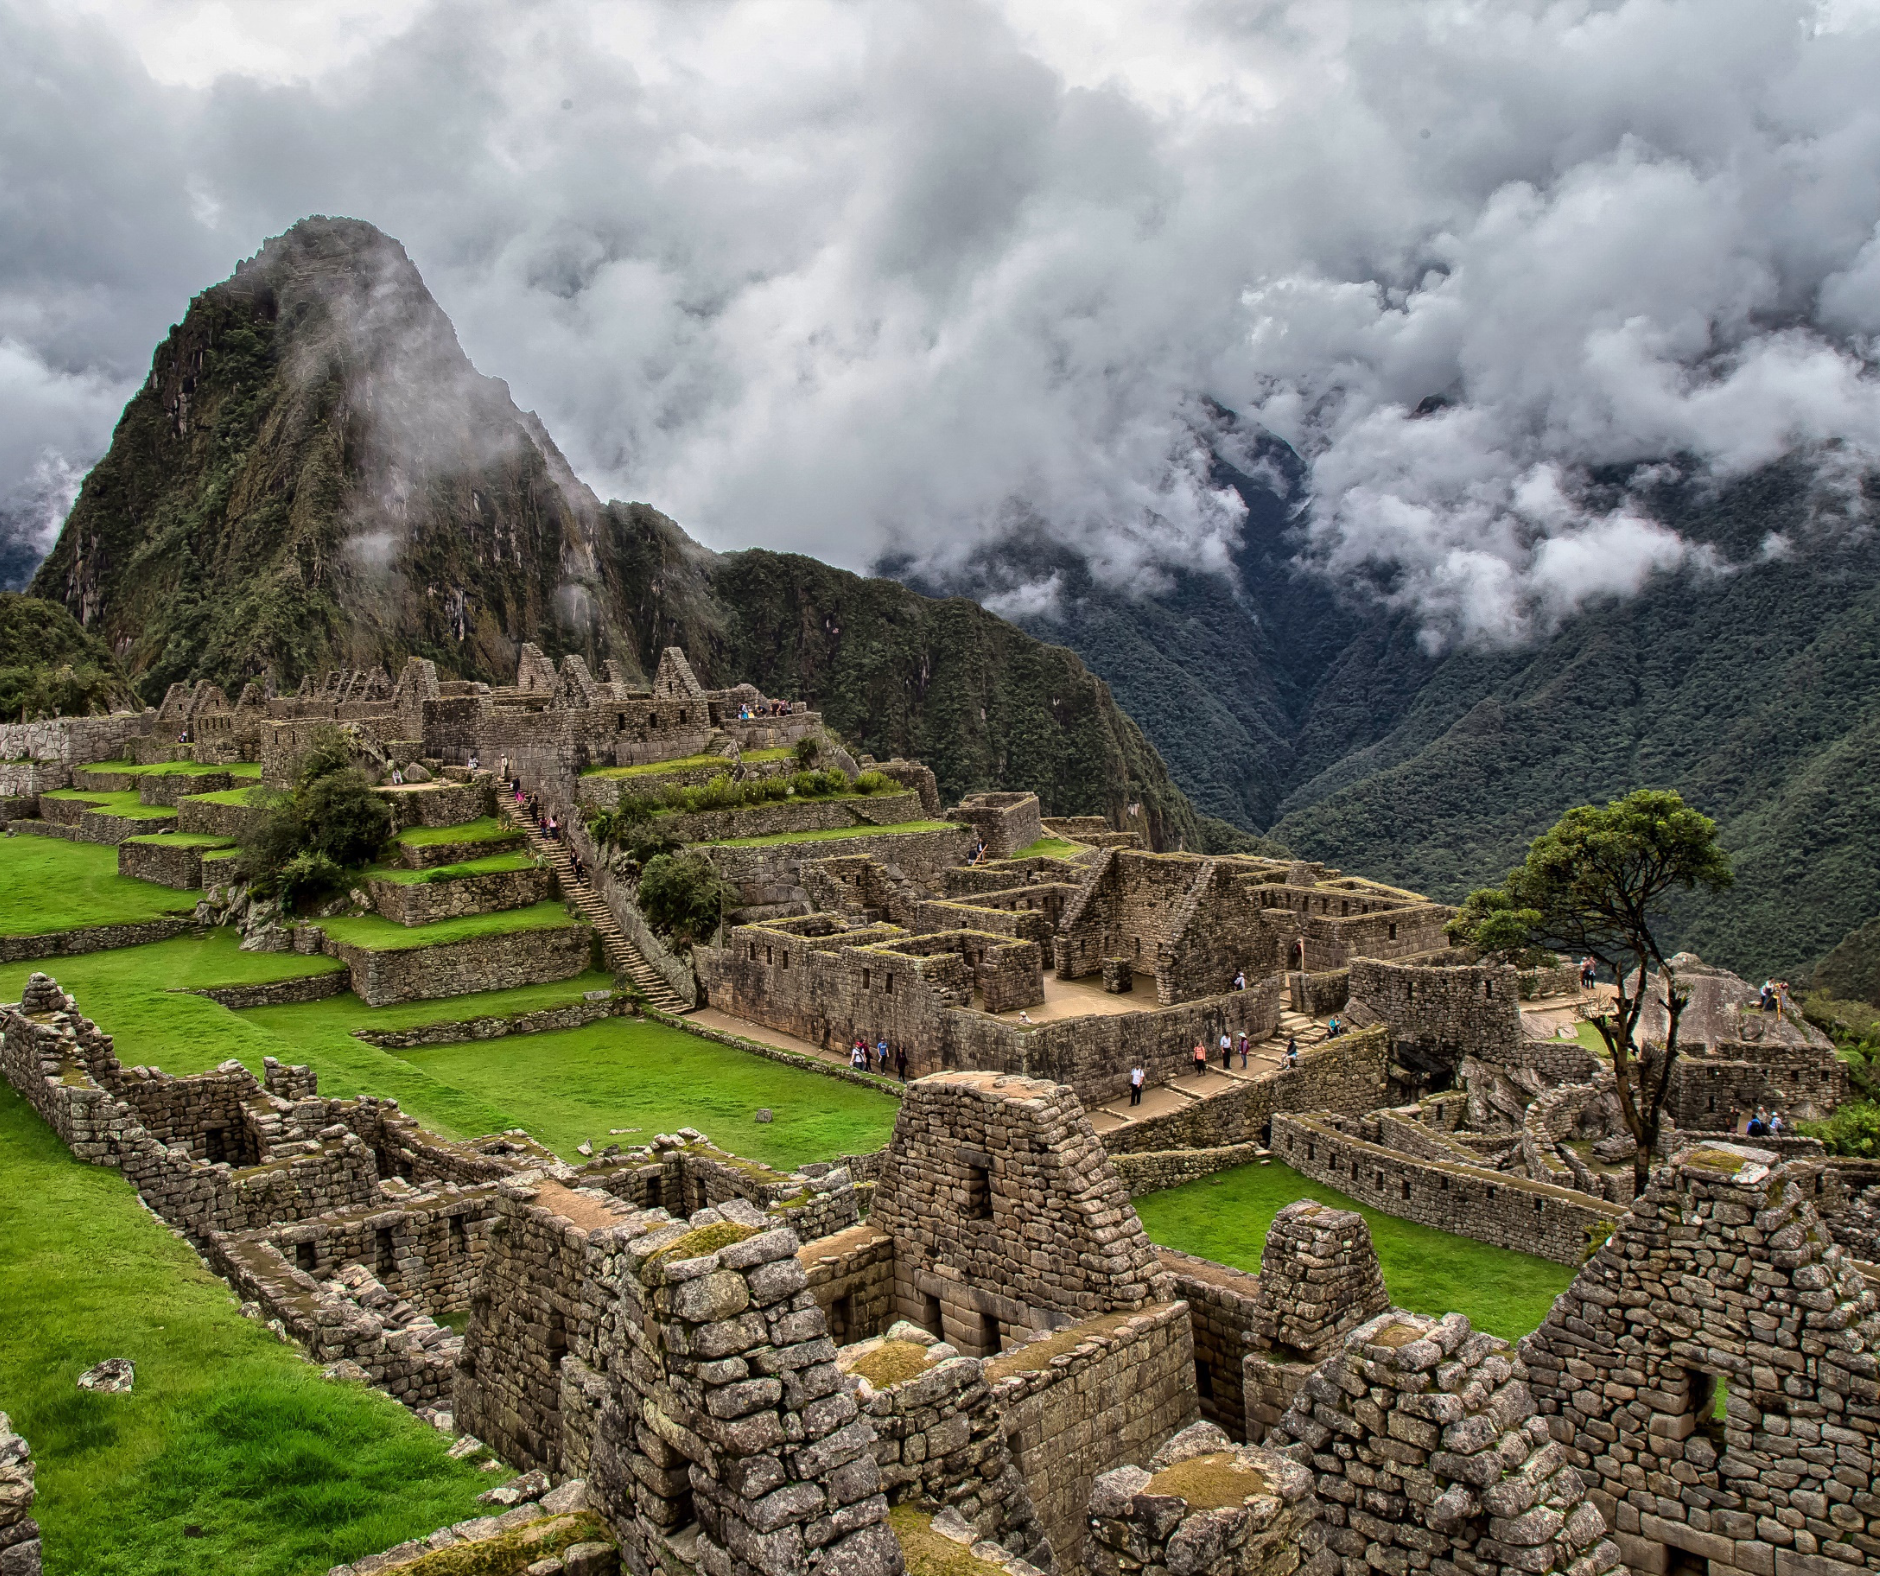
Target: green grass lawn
(182, 839)
(899, 828)
(484, 830)
(118, 802)
(381, 935)
(241, 796)
(686, 764)
(47, 883)
(226, 1430)
(249, 769)
(488, 865)
(1050, 847)
(1225, 1218)
(563, 1087)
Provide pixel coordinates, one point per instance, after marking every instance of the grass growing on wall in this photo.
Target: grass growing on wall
(486, 829)
(688, 763)
(47, 883)
(1225, 1218)
(1051, 848)
(117, 801)
(488, 865)
(250, 770)
(226, 1430)
(563, 1087)
(860, 829)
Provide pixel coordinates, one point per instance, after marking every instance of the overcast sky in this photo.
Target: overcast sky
(851, 277)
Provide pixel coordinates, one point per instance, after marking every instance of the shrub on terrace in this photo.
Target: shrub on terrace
(331, 823)
(683, 896)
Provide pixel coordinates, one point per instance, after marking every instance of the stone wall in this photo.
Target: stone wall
(91, 938)
(1349, 1075)
(168, 788)
(239, 823)
(1223, 1310)
(792, 815)
(1722, 1273)
(439, 803)
(1096, 1396)
(1438, 1015)
(543, 1021)
(1423, 1441)
(19, 1532)
(851, 1275)
(74, 740)
(1140, 1520)
(279, 993)
(1006, 823)
(1708, 1091)
(163, 861)
(940, 1444)
(767, 868)
(1508, 1211)
(1006, 1216)
(1154, 1169)
(425, 902)
(383, 976)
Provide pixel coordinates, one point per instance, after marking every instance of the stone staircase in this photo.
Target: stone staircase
(1308, 1031)
(623, 957)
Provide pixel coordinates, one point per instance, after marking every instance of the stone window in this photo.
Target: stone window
(865, 976)
(767, 956)
(1488, 990)
(384, 1252)
(887, 983)
(753, 947)
(305, 1257)
(1393, 933)
(459, 1243)
(977, 1204)
(786, 957)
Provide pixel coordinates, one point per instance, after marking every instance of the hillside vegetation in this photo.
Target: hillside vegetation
(49, 664)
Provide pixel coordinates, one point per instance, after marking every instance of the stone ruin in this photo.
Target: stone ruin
(19, 1533)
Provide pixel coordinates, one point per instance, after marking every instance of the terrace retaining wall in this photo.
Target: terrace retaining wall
(425, 902)
(384, 976)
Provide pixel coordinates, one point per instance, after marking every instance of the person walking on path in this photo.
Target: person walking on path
(900, 1062)
(1227, 1051)
(1201, 1060)
(1242, 1048)
(1135, 1086)
(881, 1054)
(1292, 1050)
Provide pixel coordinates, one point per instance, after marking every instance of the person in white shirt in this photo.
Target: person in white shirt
(1135, 1086)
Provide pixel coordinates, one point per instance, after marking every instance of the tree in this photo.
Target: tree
(1492, 923)
(1596, 884)
(683, 896)
(344, 818)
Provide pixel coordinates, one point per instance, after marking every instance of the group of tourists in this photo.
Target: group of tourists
(1774, 996)
(768, 708)
(1766, 1124)
(859, 1058)
(1230, 1047)
(1589, 973)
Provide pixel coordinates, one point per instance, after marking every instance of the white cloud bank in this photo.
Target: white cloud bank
(849, 279)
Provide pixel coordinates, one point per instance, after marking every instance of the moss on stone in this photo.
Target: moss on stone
(1209, 1482)
(706, 1239)
(513, 1551)
(928, 1553)
(892, 1363)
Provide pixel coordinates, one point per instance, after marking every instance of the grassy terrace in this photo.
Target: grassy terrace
(686, 764)
(120, 802)
(49, 884)
(241, 796)
(899, 829)
(488, 865)
(227, 1430)
(1050, 848)
(563, 1087)
(381, 935)
(488, 829)
(1225, 1218)
(175, 769)
(182, 840)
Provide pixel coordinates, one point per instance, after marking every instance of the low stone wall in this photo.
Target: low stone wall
(169, 788)
(851, 1276)
(1151, 1170)
(19, 1533)
(1223, 1305)
(74, 739)
(428, 856)
(438, 804)
(1320, 995)
(28, 779)
(792, 815)
(177, 865)
(91, 938)
(575, 1015)
(381, 977)
(921, 856)
(425, 902)
(1349, 1075)
(239, 823)
(280, 993)
(102, 826)
(1125, 1383)
(1509, 1212)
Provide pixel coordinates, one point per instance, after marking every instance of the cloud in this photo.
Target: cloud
(855, 280)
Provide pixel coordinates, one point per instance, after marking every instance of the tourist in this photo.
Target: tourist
(1135, 1086)
(473, 760)
(1241, 1046)
(1227, 1051)
(881, 1055)
(1331, 1030)
(1240, 979)
(1292, 1050)
(1757, 1127)
(398, 778)
(502, 768)
(1768, 998)
(900, 1062)
(1589, 972)
(1775, 1124)
(1201, 1060)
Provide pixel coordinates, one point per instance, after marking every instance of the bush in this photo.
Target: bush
(1852, 1130)
(807, 749)
(683, 896)
(344, 819)
(306, 876)
(875, 782)
(327, 752)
